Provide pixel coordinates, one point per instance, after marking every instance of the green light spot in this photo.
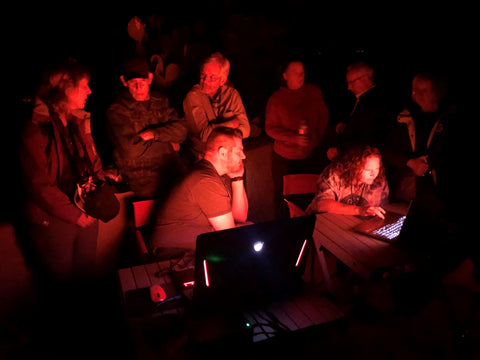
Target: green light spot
(214, 258)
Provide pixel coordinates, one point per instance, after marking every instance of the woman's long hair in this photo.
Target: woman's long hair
(351, 164)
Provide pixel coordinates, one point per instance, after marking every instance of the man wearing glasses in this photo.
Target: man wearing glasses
(371, 118)
(213, 102)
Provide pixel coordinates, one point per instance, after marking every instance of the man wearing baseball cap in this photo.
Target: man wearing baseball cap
(146, 133)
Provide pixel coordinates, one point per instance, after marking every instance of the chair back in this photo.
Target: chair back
(298, 189)
(141, 211)
(141, 215)
(299, 184)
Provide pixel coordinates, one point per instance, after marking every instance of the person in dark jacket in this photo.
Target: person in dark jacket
(423, 139)
(372, 116)
(146, 134)
(63, 237)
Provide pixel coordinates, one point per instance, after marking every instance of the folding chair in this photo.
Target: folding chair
(298, 191)
(142, 210)
(141, 215)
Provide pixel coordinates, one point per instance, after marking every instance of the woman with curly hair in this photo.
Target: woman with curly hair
(355, 184)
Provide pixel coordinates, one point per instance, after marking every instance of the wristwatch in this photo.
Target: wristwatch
(238, 178)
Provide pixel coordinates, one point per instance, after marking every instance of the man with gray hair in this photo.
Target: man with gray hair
(371, 118)
(213, 102)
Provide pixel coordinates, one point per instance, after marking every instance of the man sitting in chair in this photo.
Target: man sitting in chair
(212, 197)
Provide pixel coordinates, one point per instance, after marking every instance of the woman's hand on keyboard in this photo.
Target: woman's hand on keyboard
(372, 210)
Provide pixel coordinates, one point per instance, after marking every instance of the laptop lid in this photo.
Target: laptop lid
(250, 265)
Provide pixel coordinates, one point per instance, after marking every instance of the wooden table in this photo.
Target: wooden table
(143, 276)
(362, 254)
(308, 309)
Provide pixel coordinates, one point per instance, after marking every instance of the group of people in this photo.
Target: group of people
(193, 164)
(381, 152)
(411, 145)
(61, 165)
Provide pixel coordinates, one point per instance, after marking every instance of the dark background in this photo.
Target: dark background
(398, 39)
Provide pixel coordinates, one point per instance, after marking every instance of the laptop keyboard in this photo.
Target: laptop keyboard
(391, 231)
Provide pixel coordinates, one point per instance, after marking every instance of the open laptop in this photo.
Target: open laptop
(244, 267)
(387, 229)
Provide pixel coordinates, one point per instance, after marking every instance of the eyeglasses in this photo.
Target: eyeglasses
(212, 78)
(350, 82)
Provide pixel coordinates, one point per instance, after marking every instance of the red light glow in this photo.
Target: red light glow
(301, 253)
(207, 282)
(188, 284)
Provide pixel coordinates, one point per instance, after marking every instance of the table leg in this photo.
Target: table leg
(325, 271)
